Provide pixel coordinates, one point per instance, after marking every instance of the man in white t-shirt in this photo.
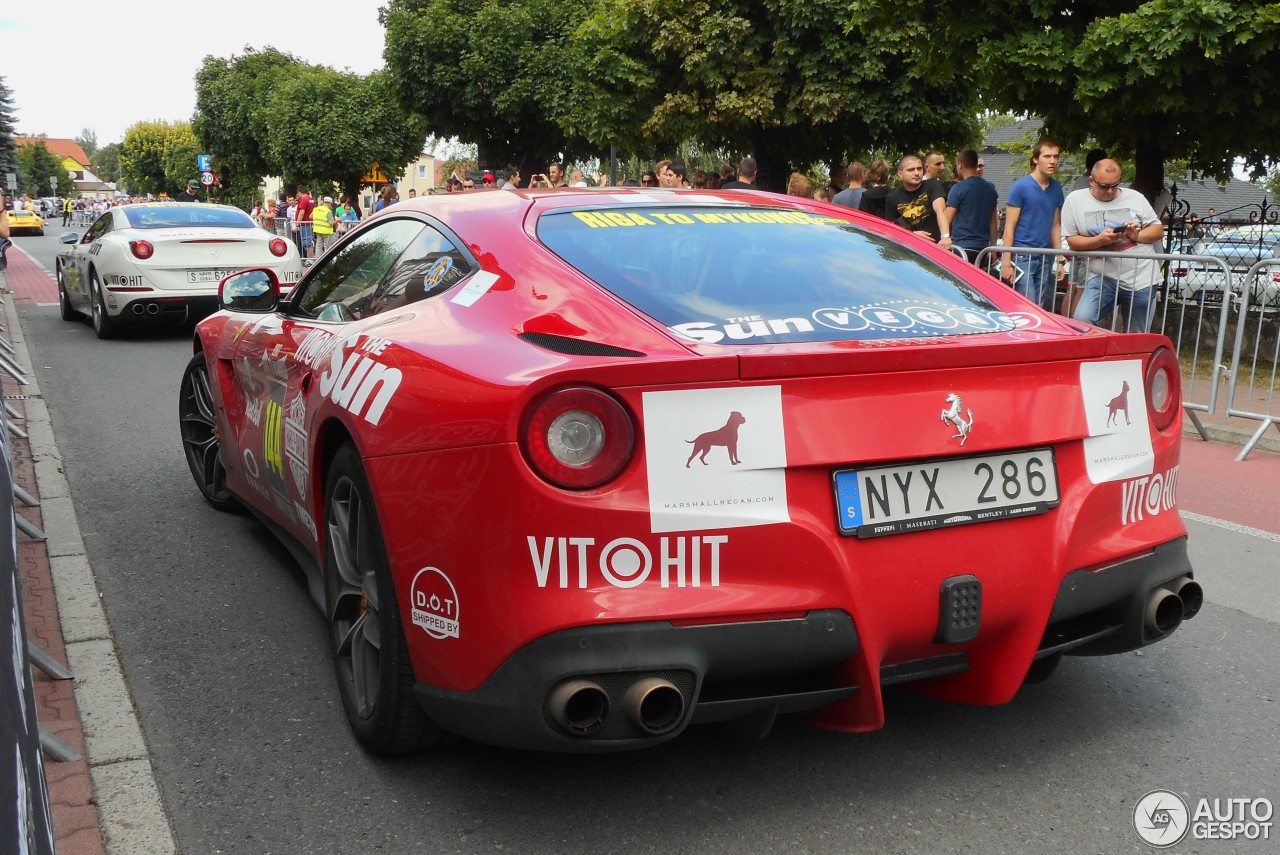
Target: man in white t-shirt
(1109, 218)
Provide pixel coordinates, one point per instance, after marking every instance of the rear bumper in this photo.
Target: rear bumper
(722, 671)
(148, 310)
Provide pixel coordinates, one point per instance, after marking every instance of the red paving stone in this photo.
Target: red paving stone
(28, 280)
(75, 812)
(1211, 482)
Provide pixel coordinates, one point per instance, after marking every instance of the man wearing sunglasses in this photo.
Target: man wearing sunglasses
(1110, 218)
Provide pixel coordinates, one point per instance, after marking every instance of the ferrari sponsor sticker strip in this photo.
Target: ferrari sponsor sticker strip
(625, 219)
(1148, 496)
(884, 500)
(626, 562)
(1115, 408)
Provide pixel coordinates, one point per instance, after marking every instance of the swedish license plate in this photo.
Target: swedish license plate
(883, 500)
(196, 276)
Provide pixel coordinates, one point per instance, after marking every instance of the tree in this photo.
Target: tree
(267, 113)
(1152, 81)
(8, 148)
(158, 157)
(36, 166)
(88, 140)
(777, 80)
(490, 72)
(106, 163)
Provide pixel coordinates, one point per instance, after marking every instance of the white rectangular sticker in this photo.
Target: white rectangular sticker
(481, 281)
(716, 458)
(1115, 410)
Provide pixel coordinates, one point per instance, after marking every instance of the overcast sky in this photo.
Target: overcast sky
(76, 64)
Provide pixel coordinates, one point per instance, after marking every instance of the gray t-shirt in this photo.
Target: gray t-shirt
(1082, 214)
(850, 197)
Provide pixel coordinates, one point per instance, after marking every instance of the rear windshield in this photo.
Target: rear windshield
(188, 214)
(765, 275)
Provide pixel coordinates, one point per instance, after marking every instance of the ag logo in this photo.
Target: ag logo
(1161, 818)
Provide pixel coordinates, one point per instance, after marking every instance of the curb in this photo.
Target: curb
(131, 815)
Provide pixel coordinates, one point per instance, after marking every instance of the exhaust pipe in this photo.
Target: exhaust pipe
(1192, 596)
(138, 308)
(654, 705)
(153, 308)
(1164, 613)
(579, 706)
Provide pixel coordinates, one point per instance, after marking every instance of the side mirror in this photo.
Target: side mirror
(68, 238)
(256, 290)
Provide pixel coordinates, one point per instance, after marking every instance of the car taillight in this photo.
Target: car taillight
(278, 247)
(1179, 272)
(1164, 388)
(141, 249)
(577, 438)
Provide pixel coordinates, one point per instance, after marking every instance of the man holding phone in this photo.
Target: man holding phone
(1108, 217)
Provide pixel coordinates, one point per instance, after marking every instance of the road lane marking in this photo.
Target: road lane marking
(1230, 526)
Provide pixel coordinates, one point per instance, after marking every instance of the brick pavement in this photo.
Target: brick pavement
(107, 801)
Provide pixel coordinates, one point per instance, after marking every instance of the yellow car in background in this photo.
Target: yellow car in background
(25, 222)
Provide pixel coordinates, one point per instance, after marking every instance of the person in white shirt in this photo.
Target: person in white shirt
(1108, 217)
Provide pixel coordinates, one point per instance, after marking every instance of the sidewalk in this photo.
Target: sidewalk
(107, 801)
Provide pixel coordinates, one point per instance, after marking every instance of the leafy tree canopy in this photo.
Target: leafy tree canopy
(231, 119)
(106, 163)
(88, 140)
(36, 166)
(158, 157)
(490, 72)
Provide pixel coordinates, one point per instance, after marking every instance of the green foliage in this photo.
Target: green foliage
(158, 157)
(267, 113)
(88, 140)
(36, 165)
(491, 72)
(106, 163)
(8, 148)
(779, 80)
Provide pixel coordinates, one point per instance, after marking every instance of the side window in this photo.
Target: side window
(345, 285)
(429, 265)
(100, 227)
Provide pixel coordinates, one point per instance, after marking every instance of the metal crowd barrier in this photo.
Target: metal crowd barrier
(1255, 355)
(1189, 304)
(26, 823)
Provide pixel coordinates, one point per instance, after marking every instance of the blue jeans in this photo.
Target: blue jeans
(1037, 282)
(1102, 295)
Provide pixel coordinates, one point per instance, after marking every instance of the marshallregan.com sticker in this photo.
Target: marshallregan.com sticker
(1163, 818)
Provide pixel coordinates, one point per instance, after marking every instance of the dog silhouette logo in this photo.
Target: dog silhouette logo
(726, 436)
(1119, 404)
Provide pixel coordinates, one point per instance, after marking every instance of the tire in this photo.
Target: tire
(64, 300)
(103, 326)
(200, 443)
(371, 658)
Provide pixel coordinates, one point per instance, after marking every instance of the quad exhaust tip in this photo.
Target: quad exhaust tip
(1169, 605)
(654, 705)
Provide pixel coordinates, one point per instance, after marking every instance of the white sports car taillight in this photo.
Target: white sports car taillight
(577, 438)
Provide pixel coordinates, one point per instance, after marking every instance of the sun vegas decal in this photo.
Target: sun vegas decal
(433, 603)
(1148, 496)
(897, 318)
(1115, 408)
(627, 562)
(715, 458)
(352, 378)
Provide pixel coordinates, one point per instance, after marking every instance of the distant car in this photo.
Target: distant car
(1240, 248)
(26, 221)
(161, 262)
(574, 469)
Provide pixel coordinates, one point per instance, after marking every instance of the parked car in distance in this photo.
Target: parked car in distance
(1239, 248)
(161, 262)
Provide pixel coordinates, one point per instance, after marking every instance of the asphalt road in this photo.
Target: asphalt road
(227, 662)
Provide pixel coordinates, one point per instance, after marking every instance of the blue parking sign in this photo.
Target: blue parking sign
(204, 163)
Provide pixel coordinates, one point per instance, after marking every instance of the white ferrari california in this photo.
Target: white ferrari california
(161, 262)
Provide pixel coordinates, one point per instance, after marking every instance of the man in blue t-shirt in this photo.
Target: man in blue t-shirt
(971, 208)
(1033, 219)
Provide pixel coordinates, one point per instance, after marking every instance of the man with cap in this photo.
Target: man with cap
(490, 181)
(190, 194)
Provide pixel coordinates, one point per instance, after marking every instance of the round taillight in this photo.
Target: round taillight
(577, 438)
(278, 247)
(1164, 388)
(141, 249)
